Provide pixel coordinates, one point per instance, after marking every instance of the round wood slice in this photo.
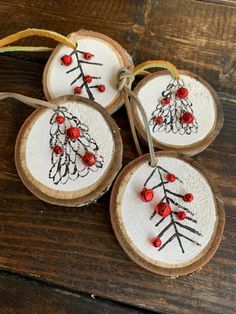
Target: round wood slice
(202, 103)
(64, 179)
(186, 245)
(106, 60)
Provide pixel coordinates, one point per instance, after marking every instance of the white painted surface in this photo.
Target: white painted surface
(38, 152)
(135, 214)
(60, 83)
(204, 108)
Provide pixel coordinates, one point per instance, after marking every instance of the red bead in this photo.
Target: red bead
(88, 79)
(66, 60)
(89, 159)
(159, 120)
(187, 117)
(60, 119)
(73, 133)
(146, 195)
(87, 55)
(181, 215)
(165, 101)
(57, 150)
(188, 197)
(77, 90)
(163, 209)
(182, 93)
(156, 242)
(170, 177)
(101, 88)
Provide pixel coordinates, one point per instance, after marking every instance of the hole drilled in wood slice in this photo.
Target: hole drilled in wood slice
(170, 218)
(69, 156)
(184, 115)
(89, 71)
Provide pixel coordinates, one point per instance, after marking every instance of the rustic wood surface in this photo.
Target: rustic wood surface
(54, 299)
(76, 248)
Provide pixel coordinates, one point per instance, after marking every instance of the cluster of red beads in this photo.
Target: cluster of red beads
(58, 150)
(78, 89)
(163, 209)
(186, 117)
(67, 60)
(73, 133)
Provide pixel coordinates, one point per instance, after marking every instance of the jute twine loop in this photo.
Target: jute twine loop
(33, 102)
(124, 82)
(4, 42)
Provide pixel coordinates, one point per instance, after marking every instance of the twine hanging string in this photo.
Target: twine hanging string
(32, 102)
(35, 103)
(33, 32)
(142, 68)
(125, 79)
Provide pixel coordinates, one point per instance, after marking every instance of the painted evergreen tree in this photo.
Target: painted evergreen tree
(174, 111)
(169, 209)
(74, 151)
(82, 81)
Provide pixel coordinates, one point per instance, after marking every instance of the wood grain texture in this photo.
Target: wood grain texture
(38, 298)
(76, 248)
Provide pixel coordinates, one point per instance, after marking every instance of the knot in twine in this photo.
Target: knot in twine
(124, 79)
(124, 82)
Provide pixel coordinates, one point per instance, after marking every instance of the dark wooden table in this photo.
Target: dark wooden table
(67, 260)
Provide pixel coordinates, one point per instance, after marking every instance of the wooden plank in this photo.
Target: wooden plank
(76, 248)
(222, 2)
(202, 40)
(195, 36)
(112, 18)
(36, 297)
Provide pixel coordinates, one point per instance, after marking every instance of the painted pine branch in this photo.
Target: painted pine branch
(67, 165)
(167, 116)
(179, 229)
(81, 74)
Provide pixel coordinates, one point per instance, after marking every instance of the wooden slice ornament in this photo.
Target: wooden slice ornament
(85, 63)
(180, 228)
(165, 209)
(90, 70)
(68, 153)
(183, 110)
